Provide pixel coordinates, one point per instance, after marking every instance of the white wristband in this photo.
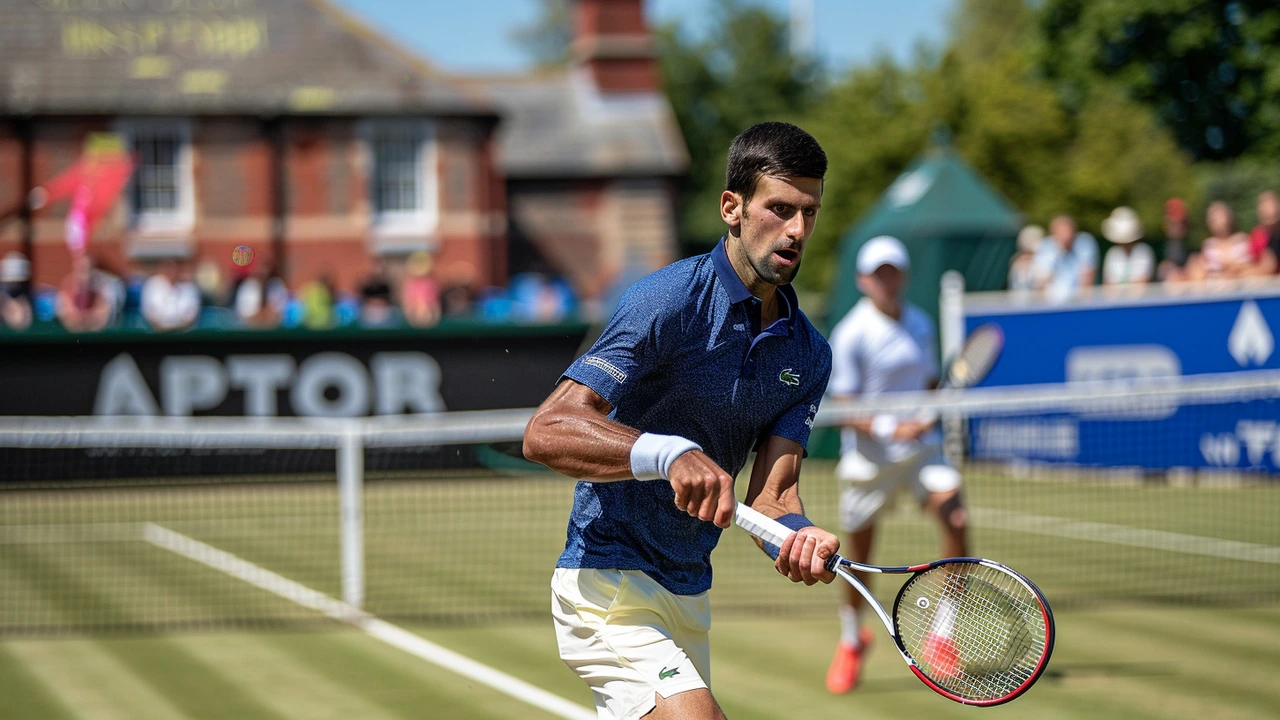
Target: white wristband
(652, 455)
(883, 427)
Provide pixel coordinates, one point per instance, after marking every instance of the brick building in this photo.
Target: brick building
(591, 153)
(288, 126)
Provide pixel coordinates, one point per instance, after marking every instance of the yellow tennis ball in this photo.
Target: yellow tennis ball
(242, 255)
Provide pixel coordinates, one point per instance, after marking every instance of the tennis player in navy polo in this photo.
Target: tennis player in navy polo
(704, 361)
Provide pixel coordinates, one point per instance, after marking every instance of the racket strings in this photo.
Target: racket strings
(974, 630)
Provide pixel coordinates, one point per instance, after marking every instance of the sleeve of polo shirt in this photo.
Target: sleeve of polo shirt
(628, 349)
(796, 423)
(846, 374)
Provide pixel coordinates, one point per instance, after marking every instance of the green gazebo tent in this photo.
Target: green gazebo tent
(948, 217)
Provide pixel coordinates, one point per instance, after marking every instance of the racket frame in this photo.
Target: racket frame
(775, 533)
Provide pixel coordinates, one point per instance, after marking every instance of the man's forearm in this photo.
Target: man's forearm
(582, 447)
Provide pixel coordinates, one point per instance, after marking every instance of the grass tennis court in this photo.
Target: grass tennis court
(100, 622)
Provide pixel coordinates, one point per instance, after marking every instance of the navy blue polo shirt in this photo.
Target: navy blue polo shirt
(684, 355)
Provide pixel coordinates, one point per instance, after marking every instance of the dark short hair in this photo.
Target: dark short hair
(772, 148)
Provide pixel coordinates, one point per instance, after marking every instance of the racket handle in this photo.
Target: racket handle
(767, 529)
(761, 525)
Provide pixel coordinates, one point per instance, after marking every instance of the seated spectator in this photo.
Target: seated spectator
(84, 303)
(1128, 261)
(1175, 238)
(1068, 263)
(260, 299)
(1266, 236)
(456, 301)
(317, 299)
(210, 283)
(15, 292)
(536, 298)
(170, 301)
(375, 296)
(1226, 253)
(1029, 239)
(419, 294)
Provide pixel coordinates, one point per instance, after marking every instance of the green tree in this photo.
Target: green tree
(547, 39)
(1046, 155)
(1122, 156)
(742, 74)
(1209, 69)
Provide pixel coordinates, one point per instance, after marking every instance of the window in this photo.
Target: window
(402, 178)
(162, 193)
(155, 188)
(397, 162)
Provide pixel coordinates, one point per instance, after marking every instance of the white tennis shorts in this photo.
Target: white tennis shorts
(870, 482)
(628, 637)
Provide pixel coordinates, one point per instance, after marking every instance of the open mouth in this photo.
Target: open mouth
(786, 256)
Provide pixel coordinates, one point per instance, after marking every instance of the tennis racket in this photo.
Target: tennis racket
(971, 365)
(973, 630)
(976, 358)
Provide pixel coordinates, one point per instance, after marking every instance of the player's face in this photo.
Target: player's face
(884, 286)
(776, 224)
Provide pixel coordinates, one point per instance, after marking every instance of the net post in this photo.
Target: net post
(351, 515)
(951, 339)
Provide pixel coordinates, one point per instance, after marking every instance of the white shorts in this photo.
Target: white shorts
(870, 483)
(628, 637)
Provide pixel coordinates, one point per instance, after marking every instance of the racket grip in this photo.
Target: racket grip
(761, 525)
(768, 529)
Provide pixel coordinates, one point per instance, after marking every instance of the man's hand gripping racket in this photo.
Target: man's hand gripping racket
(973, 630)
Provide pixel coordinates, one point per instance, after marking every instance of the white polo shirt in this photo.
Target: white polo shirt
(873, 353)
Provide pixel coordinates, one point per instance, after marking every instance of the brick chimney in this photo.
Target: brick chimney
(612, 42)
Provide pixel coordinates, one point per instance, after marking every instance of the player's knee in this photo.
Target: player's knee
(953, 513)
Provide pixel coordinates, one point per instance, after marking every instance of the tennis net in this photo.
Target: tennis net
(1166, 492)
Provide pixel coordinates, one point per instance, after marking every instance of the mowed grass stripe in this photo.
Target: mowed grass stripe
(397, 682)
(201, 689)
(117, 585)
(278, 681)
(1189, 681)
(527, 650)
(769, 670)
(92, 683)
(23, 695)
(1224, 661)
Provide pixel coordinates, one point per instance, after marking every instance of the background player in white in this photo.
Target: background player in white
(883, 345)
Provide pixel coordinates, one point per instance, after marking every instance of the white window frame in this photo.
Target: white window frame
(397, 231)
(181, 220)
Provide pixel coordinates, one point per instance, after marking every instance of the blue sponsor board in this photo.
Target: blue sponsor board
(1157, 335)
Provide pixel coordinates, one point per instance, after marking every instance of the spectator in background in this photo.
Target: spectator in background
(1128, 261)
(210, 283)
(1226, 253)
(1175, 239)
(170, 300)
(419, 294)
(1266, 236)
(317, 298)
(260, 299)
(456, 301)
(1020, 277)
(1068, 263)
(84, 304)
(375, 296)
(15, 292)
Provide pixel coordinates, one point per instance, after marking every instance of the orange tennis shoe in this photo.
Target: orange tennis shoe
(941, 656)
(846, 667)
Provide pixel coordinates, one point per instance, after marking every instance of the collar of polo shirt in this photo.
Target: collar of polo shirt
(738, 291)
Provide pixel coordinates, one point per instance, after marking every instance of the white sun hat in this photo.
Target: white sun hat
(883, 250)
(1123, 226)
